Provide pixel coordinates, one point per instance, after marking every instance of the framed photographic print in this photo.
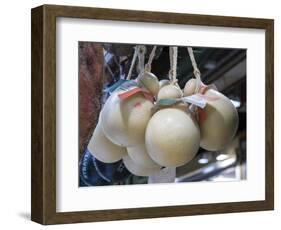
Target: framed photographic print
(139, 114)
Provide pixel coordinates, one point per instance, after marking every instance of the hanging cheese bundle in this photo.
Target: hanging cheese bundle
(172, 137)
(139, 154)
(138, 169)
(124, 120)
(218, 121)
(103, 149)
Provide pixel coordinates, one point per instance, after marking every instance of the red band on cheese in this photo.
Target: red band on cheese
(133, 91)
(128, 93)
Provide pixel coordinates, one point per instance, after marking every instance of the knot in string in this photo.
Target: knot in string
(196, 71)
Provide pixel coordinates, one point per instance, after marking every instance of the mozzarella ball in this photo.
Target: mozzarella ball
(149, 81)
(124, 121)
(138, 169)
(169, 91)
(103, 149)
(189, 87)
(172, 137)
(218, 122)
(139, 155)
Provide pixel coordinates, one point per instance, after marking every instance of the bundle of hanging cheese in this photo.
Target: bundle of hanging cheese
(151, 124)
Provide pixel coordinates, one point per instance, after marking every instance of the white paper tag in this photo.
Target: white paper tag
(195, 99)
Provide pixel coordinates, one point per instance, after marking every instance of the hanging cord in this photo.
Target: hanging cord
(150, 59)
(133, 62)
(141, 57)
(173, 52)
(196, 71)
(197, 75)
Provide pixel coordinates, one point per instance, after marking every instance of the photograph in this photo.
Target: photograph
(153, 114)
(144, 114)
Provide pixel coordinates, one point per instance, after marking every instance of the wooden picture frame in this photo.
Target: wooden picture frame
(43, 208)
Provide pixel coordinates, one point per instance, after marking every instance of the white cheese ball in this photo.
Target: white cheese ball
(103, 149)
(139, 155)
(124, 121)
(138, 169)
(149, 81)
(172, 137)
(189, 87)
(219, 122)
(169, 91)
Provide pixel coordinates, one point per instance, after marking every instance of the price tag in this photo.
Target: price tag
(196, 99)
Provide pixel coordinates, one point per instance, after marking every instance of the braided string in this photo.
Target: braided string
(196, 71)
(133, 62)
(173, 52)
(150, 59)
